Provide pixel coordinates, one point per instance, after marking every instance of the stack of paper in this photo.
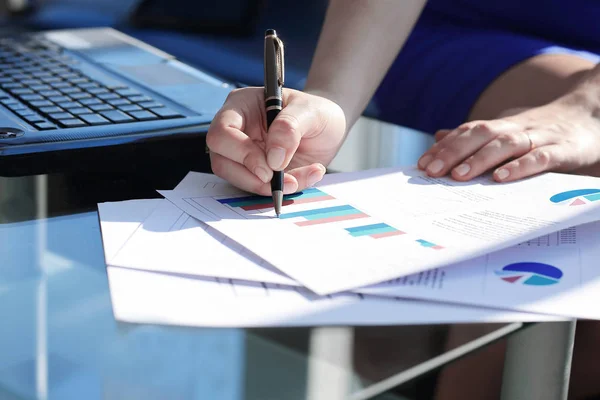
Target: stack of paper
(387, 246)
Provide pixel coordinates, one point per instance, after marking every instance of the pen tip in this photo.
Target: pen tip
(277, 201)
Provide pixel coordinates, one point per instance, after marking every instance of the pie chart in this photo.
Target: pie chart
(530, 273)
(576, 197)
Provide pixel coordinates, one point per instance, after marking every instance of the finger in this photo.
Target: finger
(442, 133)
(235, 145)
(451, 152)
(287, 129)
(308, 175)
(500, 149)
(541, 159)
(428, 156)
(239, 176)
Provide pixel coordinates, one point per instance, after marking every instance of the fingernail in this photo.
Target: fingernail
(275, 157)
(262, 174)
(436, 166)
(462, 169)
(313, 178)
(289, 187)
(502, 173)
(423, 162)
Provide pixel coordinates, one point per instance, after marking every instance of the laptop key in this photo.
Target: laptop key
(24, 112)
(117, 116)
(79, 110)
(71, 123)
(50, 93)
(12, 86)
(150, 104)
(40, 103)
(118, 102)
(140, 99)
(60, 85)
(59, 99)
(129, 107)
(143, 115)
(80, 95)
(48, 110)
(94, 119)
(31, 97)
(70, 90)
(39, 88)
(17, 106)
(127, 92)
(88, 85)
(63, 115)
(33, 118)
(45, 125)
(101, 107)
(8, 100)
(108, 96)
(21, 91)
(165, 112)
(97, 90)
(69, 104)
(89, 102)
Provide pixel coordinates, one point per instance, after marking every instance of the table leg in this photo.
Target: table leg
(538, 362)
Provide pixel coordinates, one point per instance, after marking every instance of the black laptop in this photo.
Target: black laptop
(78, 89)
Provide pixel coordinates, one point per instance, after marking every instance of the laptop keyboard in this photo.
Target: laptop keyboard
(44, 87)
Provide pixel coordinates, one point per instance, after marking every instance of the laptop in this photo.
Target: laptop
(77, 89)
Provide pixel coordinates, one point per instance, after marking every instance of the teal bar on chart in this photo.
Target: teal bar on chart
(321, 212)
(372, 229)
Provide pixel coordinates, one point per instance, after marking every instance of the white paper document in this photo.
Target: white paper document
(148, 297)
(171, 241)
(168, 298)
(364, 228)
(555, 274)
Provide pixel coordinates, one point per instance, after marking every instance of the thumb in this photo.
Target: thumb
(286, 131)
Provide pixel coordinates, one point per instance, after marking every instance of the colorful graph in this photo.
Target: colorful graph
(250, 203)
(576, 197)
(530, 273)
(377, 231)
(433, 246)
(325, 215)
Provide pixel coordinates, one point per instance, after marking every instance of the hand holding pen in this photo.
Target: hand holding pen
(304, 136)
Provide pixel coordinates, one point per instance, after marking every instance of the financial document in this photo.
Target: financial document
(168, 296)
(358, 229)
(554, 274)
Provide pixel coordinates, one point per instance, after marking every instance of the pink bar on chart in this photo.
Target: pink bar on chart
(387, 234)
(437, 247)
(332, 219)
(287, 202)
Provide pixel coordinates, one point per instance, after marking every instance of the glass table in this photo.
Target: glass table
(60, 340)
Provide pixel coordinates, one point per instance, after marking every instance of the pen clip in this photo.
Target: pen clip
(280, 58)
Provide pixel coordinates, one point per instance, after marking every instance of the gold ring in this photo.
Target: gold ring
(531, 145)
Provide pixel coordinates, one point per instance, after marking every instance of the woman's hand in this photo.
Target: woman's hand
(302, 140)
(562, 136)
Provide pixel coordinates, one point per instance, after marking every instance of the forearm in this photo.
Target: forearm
(359, 41)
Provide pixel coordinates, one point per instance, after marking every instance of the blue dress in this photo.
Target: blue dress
(458, 47)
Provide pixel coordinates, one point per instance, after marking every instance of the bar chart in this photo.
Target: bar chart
(325, 215)
(376, 231)
(430, 245)
(252, 203)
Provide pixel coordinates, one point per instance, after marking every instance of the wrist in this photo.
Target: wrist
(351, 111)
(585, 94)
